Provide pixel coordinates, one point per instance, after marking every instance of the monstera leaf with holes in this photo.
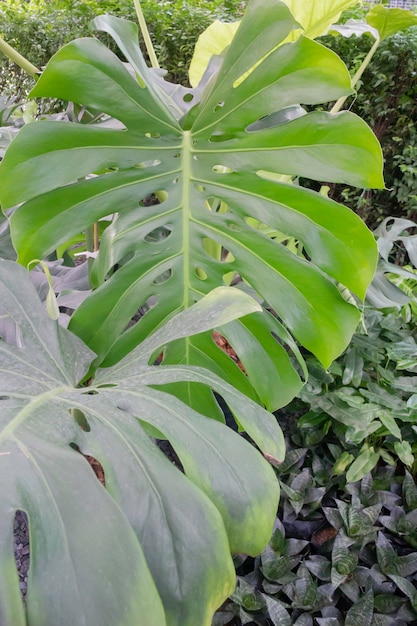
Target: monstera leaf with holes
(153, 546)
(220, 160)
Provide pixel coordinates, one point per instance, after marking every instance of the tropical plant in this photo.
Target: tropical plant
(153, 546)
(212, 157)
(185, 183)
(386, 89)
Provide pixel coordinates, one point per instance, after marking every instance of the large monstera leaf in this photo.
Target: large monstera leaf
(216, 159)
(153, 546)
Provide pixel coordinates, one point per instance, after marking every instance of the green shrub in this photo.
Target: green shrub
(36, 34)
(37, 30)
(387, 100)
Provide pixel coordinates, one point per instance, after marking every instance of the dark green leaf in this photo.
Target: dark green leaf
(67, 176)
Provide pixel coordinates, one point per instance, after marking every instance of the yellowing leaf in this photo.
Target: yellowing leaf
(390, 21)
(316, 16)
(212, 41)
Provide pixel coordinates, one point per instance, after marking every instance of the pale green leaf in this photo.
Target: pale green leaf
(354, 27)
(316, 16)
(407, 587)
(405, 452)
(410, 491)
(344, 560)
(362, 465)
(389, 21)
(212, 41)
(390, 424)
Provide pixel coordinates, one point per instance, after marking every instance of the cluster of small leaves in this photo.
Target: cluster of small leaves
(386, 98)
(341, 554)
(367, 397)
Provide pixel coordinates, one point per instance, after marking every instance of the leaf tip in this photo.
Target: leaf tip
(272, 459)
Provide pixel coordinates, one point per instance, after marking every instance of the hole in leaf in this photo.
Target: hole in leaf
(222, 169)
(80, 419)
(261, 227)
(153, 135)
(274, 177)
(200, 273)
(158, 197)
(4, 398)
(195, 157)
(227, 257)
(107, 386)
(97, 468)
(165, 447)
(200, 188)
(93, 463)
(212, 248)
(142, 310)
(176, 181)
(150, 163)
(216, 205)
(188, 97)
(231, 278)
(21, 540)
(218, 106)
(221, 137)
(10, 331)
(149, 200)
(158, 234)
(177, 155)
(225, 346)
(163, 278)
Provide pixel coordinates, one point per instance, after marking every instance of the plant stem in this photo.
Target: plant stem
(145, 34)
(336, 108)
(96, 237)
(17, 58)
(89, 244)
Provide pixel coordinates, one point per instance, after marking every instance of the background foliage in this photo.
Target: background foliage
(38, 29)
(387, 99)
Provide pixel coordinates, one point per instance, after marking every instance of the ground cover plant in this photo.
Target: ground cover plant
(344, 546)
(216, 161)
(341, 554)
